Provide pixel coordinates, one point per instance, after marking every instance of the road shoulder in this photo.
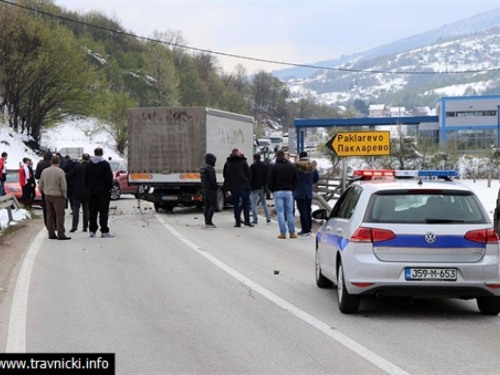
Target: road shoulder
(13, 248)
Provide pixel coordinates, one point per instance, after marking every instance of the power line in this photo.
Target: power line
(309, 66)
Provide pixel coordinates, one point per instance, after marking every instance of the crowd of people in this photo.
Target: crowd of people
(291, 185)
(86, 185)
(67, 183)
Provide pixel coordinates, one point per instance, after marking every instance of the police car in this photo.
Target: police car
(412, 236)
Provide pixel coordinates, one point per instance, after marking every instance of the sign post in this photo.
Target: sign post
(374, 143)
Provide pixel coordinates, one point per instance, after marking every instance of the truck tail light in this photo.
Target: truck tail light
(363, 234)
(197, 198)
(482, 236)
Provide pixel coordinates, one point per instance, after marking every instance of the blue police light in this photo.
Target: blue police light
(438, 173)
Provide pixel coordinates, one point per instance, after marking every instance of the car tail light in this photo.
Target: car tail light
(362, 285)
(372, 235)
(493, 286)
(197, 198)
(482, 236)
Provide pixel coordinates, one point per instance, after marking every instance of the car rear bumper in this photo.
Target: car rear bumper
(389, 277)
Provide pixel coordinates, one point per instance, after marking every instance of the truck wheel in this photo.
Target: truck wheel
(115, 192)
(221, 200)
(167, 207)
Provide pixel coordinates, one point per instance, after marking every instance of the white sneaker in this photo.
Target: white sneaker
(92, 234)
(108, 235)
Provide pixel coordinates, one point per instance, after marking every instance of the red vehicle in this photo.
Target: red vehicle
(119, 167)
(12, 186)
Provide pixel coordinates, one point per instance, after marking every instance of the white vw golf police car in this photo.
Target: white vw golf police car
(416, 236)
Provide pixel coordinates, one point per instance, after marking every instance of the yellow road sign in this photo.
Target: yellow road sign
(373, 143)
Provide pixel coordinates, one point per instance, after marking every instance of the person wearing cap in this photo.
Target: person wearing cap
(209, 188)
(237, 177)
(303, 193)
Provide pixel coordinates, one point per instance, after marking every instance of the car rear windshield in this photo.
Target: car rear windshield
(437, 207)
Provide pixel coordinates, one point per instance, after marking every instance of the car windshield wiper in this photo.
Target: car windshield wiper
(443, 221)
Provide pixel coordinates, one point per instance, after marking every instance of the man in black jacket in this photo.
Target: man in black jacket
(209, 187)
(41, 165)
(259, 172)
(80, 193)
(237, 179)
(282, 180)
(98, 178)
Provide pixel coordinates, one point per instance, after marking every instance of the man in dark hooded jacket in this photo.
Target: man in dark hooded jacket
(209, 187)
(41, 165)
(98, 179)
(303, 193)
(237, 179)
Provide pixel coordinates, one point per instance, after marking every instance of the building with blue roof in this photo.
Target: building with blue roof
(470, 122)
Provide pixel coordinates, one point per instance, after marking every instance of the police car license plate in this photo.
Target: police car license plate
(431, 274)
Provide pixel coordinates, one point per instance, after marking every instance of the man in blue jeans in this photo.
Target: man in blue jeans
(259, 172)
(282, 180)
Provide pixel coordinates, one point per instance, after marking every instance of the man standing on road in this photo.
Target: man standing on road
(80, 193)
(53, 185)
(303, 193)
(99, 180)
(209, 186)
(40, 167)
(237, 179)
(282, 180)
(3, 172)
(259, 172)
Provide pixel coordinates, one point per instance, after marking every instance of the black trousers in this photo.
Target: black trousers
(209, 204)
(26, 195)
(76, 212)
(99, 200)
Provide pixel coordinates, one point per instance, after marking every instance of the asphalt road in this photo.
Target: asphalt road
(169, 297)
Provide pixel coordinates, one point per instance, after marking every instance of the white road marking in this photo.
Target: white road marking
(16, 332)
(342, 339)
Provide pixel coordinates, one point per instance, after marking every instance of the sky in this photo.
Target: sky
(303, 32)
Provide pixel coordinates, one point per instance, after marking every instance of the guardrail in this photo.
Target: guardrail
(321, 202)
(9, 202)
(328, 188)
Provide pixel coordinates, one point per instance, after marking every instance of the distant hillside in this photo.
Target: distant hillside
(476, 24)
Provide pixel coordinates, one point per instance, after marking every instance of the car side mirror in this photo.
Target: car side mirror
(320, 214)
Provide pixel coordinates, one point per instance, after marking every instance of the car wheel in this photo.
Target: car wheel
(321, 281)
(157, 206)
(348, 303)
(115, 192)
(488, 305)
(221, 200)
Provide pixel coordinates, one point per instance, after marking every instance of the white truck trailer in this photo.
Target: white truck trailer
(167, 147)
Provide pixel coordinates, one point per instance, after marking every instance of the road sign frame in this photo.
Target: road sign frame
(365, 143)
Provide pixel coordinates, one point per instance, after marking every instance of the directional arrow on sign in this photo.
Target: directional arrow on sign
(374, 143)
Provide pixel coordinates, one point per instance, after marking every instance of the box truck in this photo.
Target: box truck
(167, 147)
